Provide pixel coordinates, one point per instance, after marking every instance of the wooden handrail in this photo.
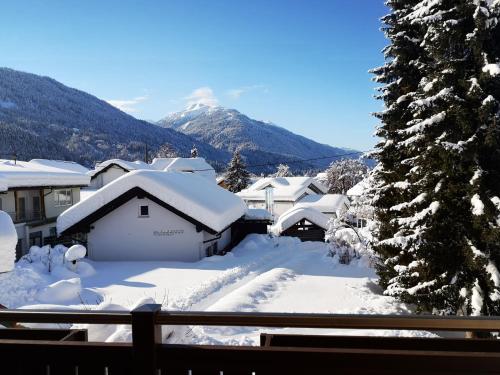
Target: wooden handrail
(290, 320)
(66, 316)
(342, 321)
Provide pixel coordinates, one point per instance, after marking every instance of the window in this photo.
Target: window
(63, 197)
(143, 211)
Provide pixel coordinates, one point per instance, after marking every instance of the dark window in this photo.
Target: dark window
(144, 211)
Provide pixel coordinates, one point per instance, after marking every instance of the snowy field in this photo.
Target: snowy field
(261, 274)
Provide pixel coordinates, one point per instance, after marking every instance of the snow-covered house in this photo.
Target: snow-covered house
(34, 193)
(155, 215)
(358, 190)
(110, 170)
(286, 192)
(361, 209)
(308, 224)
(329, 204)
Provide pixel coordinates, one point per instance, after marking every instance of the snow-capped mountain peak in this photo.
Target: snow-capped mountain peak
(258, 141)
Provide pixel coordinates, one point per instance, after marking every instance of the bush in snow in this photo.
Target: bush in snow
(8, 242)
(437, 183)
(73, 255)
(44, 258)
(344, 242)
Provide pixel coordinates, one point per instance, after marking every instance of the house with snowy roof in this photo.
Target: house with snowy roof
(34, 193)
(110, 170)
(306, 223)
(279, 194)
(155, 215)
(328, 204)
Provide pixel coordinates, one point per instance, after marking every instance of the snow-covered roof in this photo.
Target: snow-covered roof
(285, 188)
(285, 193)
(61, 164)
(258, 214)
(358, 189)
(193, 195)
(40, 173)
(124, 164)
(279, 182)
(195, 165)
(294, 215)
(324, 203)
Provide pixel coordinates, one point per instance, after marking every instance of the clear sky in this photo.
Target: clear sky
(301, 64)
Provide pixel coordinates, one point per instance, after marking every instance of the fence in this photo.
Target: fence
(278, 354)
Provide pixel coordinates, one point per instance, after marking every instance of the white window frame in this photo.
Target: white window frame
(66, 202)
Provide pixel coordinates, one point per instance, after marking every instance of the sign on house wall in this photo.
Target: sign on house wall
(168, 232)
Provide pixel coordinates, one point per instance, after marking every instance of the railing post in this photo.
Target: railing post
(146, 334)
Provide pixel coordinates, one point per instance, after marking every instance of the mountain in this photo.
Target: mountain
(259, 142)
(42, 118)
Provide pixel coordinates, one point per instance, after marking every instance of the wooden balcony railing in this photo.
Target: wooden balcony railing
(278, 354)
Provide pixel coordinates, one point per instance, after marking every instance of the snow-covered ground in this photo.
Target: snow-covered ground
(261, 274)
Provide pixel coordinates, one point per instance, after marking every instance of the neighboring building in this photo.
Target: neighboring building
(110, 170)
(361, 209)
(34, 193)
(307, 224)
(286, 192)
(329, 204)
(358, 190)
(155, 215)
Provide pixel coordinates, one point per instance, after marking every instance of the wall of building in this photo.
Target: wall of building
(123, 235)
(220, 241)
(8, 203)
(52, 210)
(105, 178)
(279, 206)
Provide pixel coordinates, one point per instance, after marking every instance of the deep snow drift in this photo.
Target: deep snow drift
(261, 274)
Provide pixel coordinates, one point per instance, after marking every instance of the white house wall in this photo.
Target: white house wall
(106, 177)
(51, 209)
(123, 235)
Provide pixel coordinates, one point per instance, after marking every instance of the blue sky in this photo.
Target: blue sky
(301, 64)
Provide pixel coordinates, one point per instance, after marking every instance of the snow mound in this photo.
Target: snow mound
(75, 252)
(61, 291)
(8, 242)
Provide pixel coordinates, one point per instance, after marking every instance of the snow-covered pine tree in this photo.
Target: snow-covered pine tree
(343, 174)
(283, 170)
(400, 77)
(166, 151)
(237, 176)
(438, 193)
(194, 152)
